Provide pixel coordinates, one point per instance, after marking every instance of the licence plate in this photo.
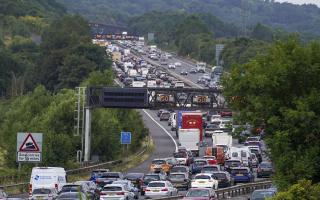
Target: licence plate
(239, 174)
(39, 198)
(201, 181)
(155, 190)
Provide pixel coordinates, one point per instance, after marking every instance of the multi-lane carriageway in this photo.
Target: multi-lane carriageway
(164, 139)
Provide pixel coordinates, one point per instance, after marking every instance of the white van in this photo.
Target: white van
(173, 121)
(47, 177)
(179, 84)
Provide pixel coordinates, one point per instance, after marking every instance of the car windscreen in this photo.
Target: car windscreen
(41, 191)
(178, 169)
(200, 162)
(178, 176)
(202, 177)
(158, 162)
(198, 193)
(156, 184)
(110, 175)
(112, 188)
(151, 178)
(239, 171)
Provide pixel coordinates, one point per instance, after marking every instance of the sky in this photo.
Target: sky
(317, 2)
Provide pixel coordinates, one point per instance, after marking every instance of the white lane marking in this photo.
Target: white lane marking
(174, 141)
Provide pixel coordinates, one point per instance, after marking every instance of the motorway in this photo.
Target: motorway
(164, 139)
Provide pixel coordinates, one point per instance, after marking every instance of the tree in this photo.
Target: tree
(303, 190)
(261, 32)
(280, 88)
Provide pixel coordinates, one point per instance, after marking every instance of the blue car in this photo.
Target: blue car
(197, 165)
(242, 174)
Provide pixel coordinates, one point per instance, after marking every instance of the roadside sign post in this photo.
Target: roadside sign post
(29, 148)
(125, 140)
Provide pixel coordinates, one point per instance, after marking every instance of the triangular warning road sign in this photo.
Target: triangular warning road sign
(29, 144)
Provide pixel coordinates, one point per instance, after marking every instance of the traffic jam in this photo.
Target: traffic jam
(208, 156)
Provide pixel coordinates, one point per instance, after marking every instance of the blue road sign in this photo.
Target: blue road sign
(125, 137)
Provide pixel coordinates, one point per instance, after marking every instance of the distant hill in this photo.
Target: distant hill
(242, 13)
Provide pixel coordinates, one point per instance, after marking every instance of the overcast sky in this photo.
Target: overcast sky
(317, 2)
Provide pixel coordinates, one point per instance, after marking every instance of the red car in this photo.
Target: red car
(226, 113)
(211, 160)
(201, 194)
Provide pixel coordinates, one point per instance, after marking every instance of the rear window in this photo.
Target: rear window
(235, 154)
(239, 171)
(220, 176)
(178, 169)
(134, 176)
(156, 184)
(180, 155)
(158, 162)
(41, 191)
(233, 163)
(266, 165)
(69, 196)
(200, 162)
(110, 175)
(210, 169)
(198, 193)
(202, 177)
(178, 176)
(152, 177)
(252, 143)
(165, 115)
(68, 188)
(112, 188)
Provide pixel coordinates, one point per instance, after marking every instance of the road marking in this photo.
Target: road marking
(174, 141)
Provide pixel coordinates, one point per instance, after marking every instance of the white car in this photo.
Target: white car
(177, 64)
(160, 189)
(116, 191)
(204, 180)
(171, 66)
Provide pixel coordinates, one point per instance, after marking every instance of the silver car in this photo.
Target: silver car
(44, 193)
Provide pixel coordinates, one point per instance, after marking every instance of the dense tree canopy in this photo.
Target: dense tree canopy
(281, 90)
(301, 18)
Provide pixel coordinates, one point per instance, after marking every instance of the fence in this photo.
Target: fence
(18, 188)
(237, 190)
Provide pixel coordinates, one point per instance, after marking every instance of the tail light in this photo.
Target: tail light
(102, 193)
(120, 193)
(56, 186)
(259, 169)
(30, 189)
(146, 190)
(165, 190)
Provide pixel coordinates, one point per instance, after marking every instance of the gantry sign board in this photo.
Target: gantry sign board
(29, 147)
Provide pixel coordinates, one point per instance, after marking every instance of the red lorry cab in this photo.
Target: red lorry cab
(191, 120)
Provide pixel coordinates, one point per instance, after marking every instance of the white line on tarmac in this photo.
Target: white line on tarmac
(174, 141)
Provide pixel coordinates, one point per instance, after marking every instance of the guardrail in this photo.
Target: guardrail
(233, 191)
(18, 188)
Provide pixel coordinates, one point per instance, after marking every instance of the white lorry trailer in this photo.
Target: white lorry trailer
(189, 138)
(223, 140)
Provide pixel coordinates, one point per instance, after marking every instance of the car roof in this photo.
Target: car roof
(241, 168)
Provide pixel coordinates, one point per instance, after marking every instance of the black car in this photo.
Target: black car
(224, 179)
(136, 179)
(229, 164)
(108, 178)
(210, 128)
